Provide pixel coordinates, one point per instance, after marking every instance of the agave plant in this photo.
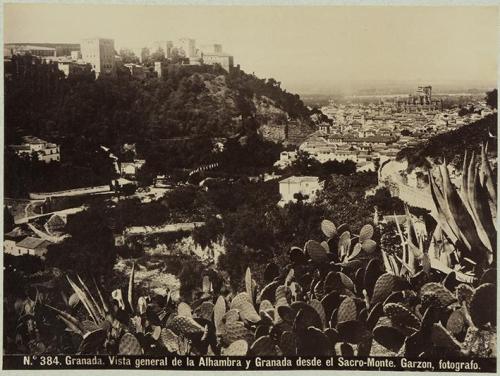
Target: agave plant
(137, 325)
(464, 239)
(467, 216)
(456, 270)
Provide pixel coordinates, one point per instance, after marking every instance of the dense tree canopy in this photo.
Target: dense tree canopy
(24, 175)
(305, 165)
(89, 250)
(492, 98)
(174, 120)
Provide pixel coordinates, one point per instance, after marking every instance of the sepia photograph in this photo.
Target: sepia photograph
(236, 187)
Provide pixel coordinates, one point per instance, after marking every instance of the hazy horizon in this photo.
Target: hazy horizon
(309, 49)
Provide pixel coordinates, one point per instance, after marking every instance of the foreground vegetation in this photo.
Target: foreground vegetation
(350, 291)
(343, 296)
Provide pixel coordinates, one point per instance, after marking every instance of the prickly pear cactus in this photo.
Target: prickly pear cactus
(482, 306)
(385, 285)
(401, 316)
(443, 295)
(129, 345)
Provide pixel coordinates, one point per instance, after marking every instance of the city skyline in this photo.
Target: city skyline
(341, 49)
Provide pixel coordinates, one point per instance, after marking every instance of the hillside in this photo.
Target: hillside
(187, 101)
(174, 121)
(452, 145)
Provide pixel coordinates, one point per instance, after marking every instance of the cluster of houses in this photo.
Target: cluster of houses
(17, 246)
(294, 188)
(34, 147)
(371, 133)
(34, 238)
(99, 55)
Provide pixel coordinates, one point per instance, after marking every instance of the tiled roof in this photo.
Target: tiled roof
(33, 243)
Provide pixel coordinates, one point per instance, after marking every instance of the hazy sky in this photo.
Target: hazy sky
(308, 49)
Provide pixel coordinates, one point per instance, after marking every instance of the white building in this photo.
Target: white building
(187, 47)
(75, 55)
(307, 186)
(286, 159)
(28, 246)
(100, 53)
(130, 169)
(71, 67)
(40, 51)
(224, 60)
(45, 151)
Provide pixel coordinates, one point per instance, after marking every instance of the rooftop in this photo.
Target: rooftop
(39, 48)
(33, 140)
(33, 243)
(16, 233)
(300, 179)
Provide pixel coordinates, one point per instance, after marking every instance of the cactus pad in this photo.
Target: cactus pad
(93, 341)
(328, 228)
(288, 343)
(263, 346)
(269, 292)
(441, 337)
(480, 343)
(169, 340)
(318, 307)
(346, 281)
(389, 337)
(385, 285)
(129, 345)
(347, 310)
(482, 307)
(265, 305)
(219, 311)
(444, 296)
(89, 326)
(282, 292)
(185, 325)
(456, 322)
(236, 330)
(286, 313)
(239, 299)
(365, 233)
(369, 246)
(306, 317)
(230, 316)
(73, 300)
(401, 316)
(248, 312)
(237, 348)
(316, 252)
(372, 272)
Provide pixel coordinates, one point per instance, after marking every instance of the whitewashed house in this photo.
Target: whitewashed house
(28, 246)
(45, 151)
(307, 186)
